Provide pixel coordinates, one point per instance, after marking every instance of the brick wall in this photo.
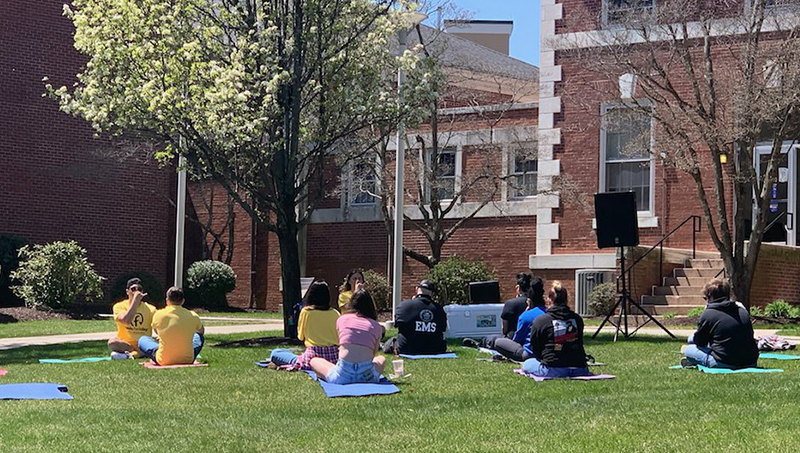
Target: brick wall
(58, 183)
(776, 275)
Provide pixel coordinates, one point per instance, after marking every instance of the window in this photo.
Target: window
(522, 170)
(363, 184)
(625, 153)
(442, 178)
(617, 11)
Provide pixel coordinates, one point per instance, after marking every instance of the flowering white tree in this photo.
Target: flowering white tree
(255, 94)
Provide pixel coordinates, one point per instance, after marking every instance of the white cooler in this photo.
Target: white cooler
(474, 321)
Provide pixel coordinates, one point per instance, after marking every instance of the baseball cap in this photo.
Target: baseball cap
(428, 286)
(133, 281)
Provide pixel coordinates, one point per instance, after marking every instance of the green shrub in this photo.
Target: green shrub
(150, 284)
(695, 312)
(778, 309)
(9, 262)
(208, 282)
(669, 315)
(380, 289)
(453, 275)
(755, 311)
(602, 299)
(55, 275)
(794, 312)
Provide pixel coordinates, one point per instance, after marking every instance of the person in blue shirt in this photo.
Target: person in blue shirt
(518, 348)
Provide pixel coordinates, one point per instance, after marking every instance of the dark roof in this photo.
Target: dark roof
(457, 52)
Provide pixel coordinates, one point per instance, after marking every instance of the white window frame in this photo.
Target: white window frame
(351, 196)
(509, 158)
(605, 23)
(603, 186)
(457, 152)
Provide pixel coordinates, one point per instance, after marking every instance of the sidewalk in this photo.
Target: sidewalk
(682, 332)
(11, 343)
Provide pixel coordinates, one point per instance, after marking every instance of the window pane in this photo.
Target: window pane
(630, 176)
(627, 134)
(363, 184)
(447, 163)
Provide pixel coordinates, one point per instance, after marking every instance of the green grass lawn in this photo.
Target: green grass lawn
(445, 405)
(71, 326)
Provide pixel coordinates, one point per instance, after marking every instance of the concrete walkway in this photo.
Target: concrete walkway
(11, 343)
(19, 342)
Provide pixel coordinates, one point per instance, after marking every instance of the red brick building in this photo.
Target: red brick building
(573, 143)
(57, 182)
(491, 105)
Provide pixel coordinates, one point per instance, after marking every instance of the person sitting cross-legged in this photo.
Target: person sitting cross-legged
(724, 336)
(518, 348)
(359, 340)
(421, 324)
(557, 340)
(180, 333)
(316, 327)
(134, 318)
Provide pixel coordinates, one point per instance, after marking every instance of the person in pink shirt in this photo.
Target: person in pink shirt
(359, 339)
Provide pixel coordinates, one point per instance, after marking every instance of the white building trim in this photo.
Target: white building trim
(549, 105)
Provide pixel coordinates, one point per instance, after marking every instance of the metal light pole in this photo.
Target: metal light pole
(397, 267)
(180, 222)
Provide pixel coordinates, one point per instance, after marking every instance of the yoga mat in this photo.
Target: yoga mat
(591, 377)
(488, 351)
(85, 359)
(36, 391)
(3, 372)
(384, 387)
(153, 366)
(446, 355)
(708, 370)
(741, 370)
(774, 355)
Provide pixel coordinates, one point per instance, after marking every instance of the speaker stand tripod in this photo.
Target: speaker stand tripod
(624, 305)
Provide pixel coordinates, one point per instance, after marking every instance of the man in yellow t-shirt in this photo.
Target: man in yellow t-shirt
(180, 333)
(134, 319)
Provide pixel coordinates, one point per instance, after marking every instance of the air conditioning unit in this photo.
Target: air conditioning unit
(585, 281)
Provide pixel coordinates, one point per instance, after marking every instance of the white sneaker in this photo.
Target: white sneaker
(120, 355)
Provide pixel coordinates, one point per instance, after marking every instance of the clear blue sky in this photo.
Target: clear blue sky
(524, 13)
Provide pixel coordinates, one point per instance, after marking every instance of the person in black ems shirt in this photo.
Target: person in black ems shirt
(557, 340)
(421, 323)
(724, 336)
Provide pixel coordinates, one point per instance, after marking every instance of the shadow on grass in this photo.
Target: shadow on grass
(608, 337)
(32, 354)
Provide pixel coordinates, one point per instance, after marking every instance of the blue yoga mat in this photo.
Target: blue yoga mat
(708, 370)
(85, 359)
(384, 387)
(37, 391)
(446, 355)
(740, 370)
(774, 355)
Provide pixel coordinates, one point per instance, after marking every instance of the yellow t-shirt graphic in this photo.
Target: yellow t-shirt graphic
(141, 324)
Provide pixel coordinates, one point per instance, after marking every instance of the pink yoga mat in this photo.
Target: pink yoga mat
(3, 372)
(592, 377)
(153, 366)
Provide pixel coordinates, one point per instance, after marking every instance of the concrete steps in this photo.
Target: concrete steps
(682, 292)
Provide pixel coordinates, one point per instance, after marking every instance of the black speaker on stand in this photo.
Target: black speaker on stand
(618, 226)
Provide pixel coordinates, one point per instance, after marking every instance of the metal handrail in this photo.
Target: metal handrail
(774, 221)
(696, 228)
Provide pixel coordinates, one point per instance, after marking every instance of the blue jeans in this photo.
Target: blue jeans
(533, 366)
(282, 357)
(149, 346)
(701, 355)
(350, 373)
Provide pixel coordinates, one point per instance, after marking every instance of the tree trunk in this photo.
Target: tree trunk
(741, 279)
(290, 270)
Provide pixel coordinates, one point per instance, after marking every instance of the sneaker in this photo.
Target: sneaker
(470, 343)
(499, 358)
(686, 363)
(121, 355)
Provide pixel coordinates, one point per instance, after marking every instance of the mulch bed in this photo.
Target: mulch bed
(22, 314)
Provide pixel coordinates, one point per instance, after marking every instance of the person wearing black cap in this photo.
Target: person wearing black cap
(134, 319)
(421, 323)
